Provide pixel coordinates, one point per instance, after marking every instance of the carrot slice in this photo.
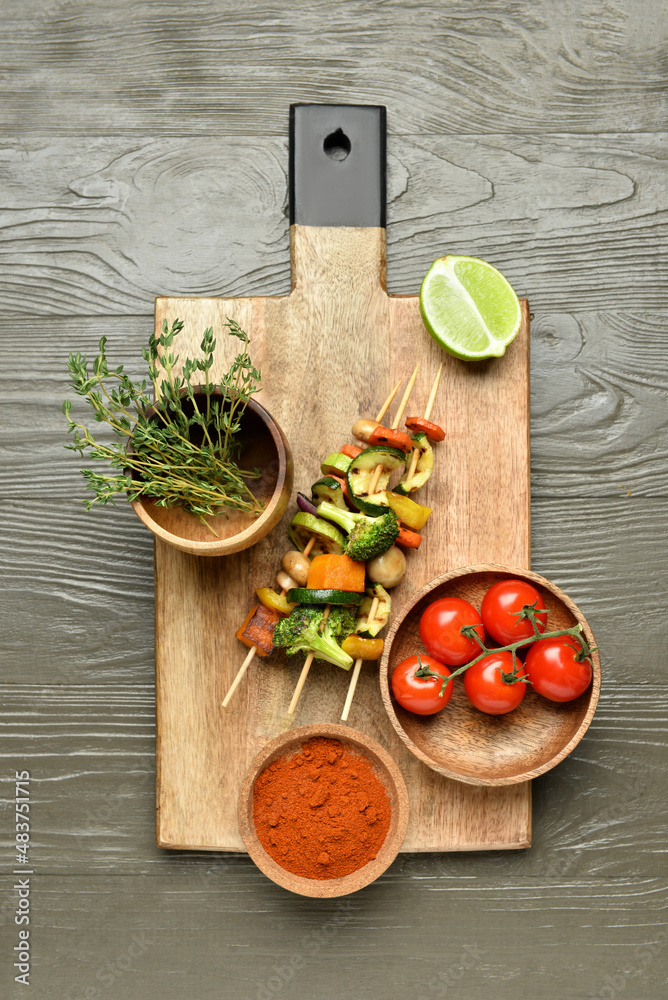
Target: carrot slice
(392, 439)
(329, 572)
(433, 431)
(351, 450)
(408, 539)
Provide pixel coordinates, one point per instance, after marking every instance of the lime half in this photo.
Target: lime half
(469, 308)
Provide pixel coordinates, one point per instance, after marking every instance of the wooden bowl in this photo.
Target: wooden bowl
(460, 741)
(263, 445)
(386, 771)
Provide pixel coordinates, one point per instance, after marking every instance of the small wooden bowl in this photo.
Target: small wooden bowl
(464, 743)
(263, 445)
(386, 771)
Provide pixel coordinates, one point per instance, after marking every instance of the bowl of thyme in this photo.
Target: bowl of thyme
(206, 468)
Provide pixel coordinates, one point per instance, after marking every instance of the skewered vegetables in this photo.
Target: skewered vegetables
(379, 601)
(385, 437)
(296, 565)
(413, 515)
(336, 463)
(300, 633)
(362, 429)
(308, 595)
(277, 602)
(362, 649)
(362, 473)
(336, 573)
(389, 568)
(258, 629)
(367, 536)
(433, 431)
(329, 488)
(303, 527)
(425, 465)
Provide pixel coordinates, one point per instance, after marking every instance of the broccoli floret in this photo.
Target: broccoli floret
(300, 633)
(341, 622)
(367, 536)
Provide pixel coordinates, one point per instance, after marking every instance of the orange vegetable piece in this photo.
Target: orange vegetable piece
(408, 539)
(393, 439)
(351, 450)
(258, 629)
(329, 572)
(433, 431)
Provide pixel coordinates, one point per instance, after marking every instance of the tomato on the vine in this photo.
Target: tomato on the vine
(420, 695)
(486, 688)
(440, 626)
(554, 669)
(500, 607)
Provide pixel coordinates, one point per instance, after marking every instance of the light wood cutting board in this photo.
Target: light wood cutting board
(329, 353)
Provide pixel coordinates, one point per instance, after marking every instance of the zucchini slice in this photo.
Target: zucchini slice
(302, 595)
(371, 629)
(423, 470)
(329, 489)
(361, 473)
(336, 464)
(328, 538)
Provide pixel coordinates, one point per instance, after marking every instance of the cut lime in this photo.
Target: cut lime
(469, 308)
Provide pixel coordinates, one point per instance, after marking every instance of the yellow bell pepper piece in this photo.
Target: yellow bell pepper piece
(277, 602)
(413, 515)
(362, 649)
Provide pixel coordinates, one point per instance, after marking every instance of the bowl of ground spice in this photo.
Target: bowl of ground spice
(323, 810)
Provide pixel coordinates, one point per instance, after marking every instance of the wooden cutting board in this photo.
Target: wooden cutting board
(329, 353)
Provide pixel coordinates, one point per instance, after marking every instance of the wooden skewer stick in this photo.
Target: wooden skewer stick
(240, 675)
(427, 414)
(305, 669)
(309, 546)
(432, 394)
(357, 668)
(404, 401)
(253, 650)
(395, 423)
(384, 408)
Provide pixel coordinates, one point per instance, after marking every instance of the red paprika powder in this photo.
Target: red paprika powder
(321, 812)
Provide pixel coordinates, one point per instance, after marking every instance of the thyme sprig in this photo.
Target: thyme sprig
(514, 676)
(179, 446)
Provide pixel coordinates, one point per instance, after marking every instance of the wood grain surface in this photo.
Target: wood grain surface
(144, 151)
(329, 353)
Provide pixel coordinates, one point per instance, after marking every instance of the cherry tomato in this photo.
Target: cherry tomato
(486, 688)
(440, 630)
(420, 694)
(554, 670)
(499, 611)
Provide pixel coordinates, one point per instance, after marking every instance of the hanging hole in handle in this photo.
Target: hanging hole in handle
(337, 145)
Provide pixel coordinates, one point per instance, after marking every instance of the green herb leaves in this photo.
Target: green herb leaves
(181, 447)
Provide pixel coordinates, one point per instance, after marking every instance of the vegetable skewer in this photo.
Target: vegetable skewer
(379, 469)
(395, 424)
(253, 649)
(427, 413)
(307, 550)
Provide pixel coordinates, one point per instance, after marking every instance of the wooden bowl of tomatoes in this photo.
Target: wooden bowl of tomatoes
(489, 725)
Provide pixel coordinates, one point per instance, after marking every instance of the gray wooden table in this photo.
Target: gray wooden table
(144, 152)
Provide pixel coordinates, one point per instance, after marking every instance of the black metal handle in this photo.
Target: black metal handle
(337, 164)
